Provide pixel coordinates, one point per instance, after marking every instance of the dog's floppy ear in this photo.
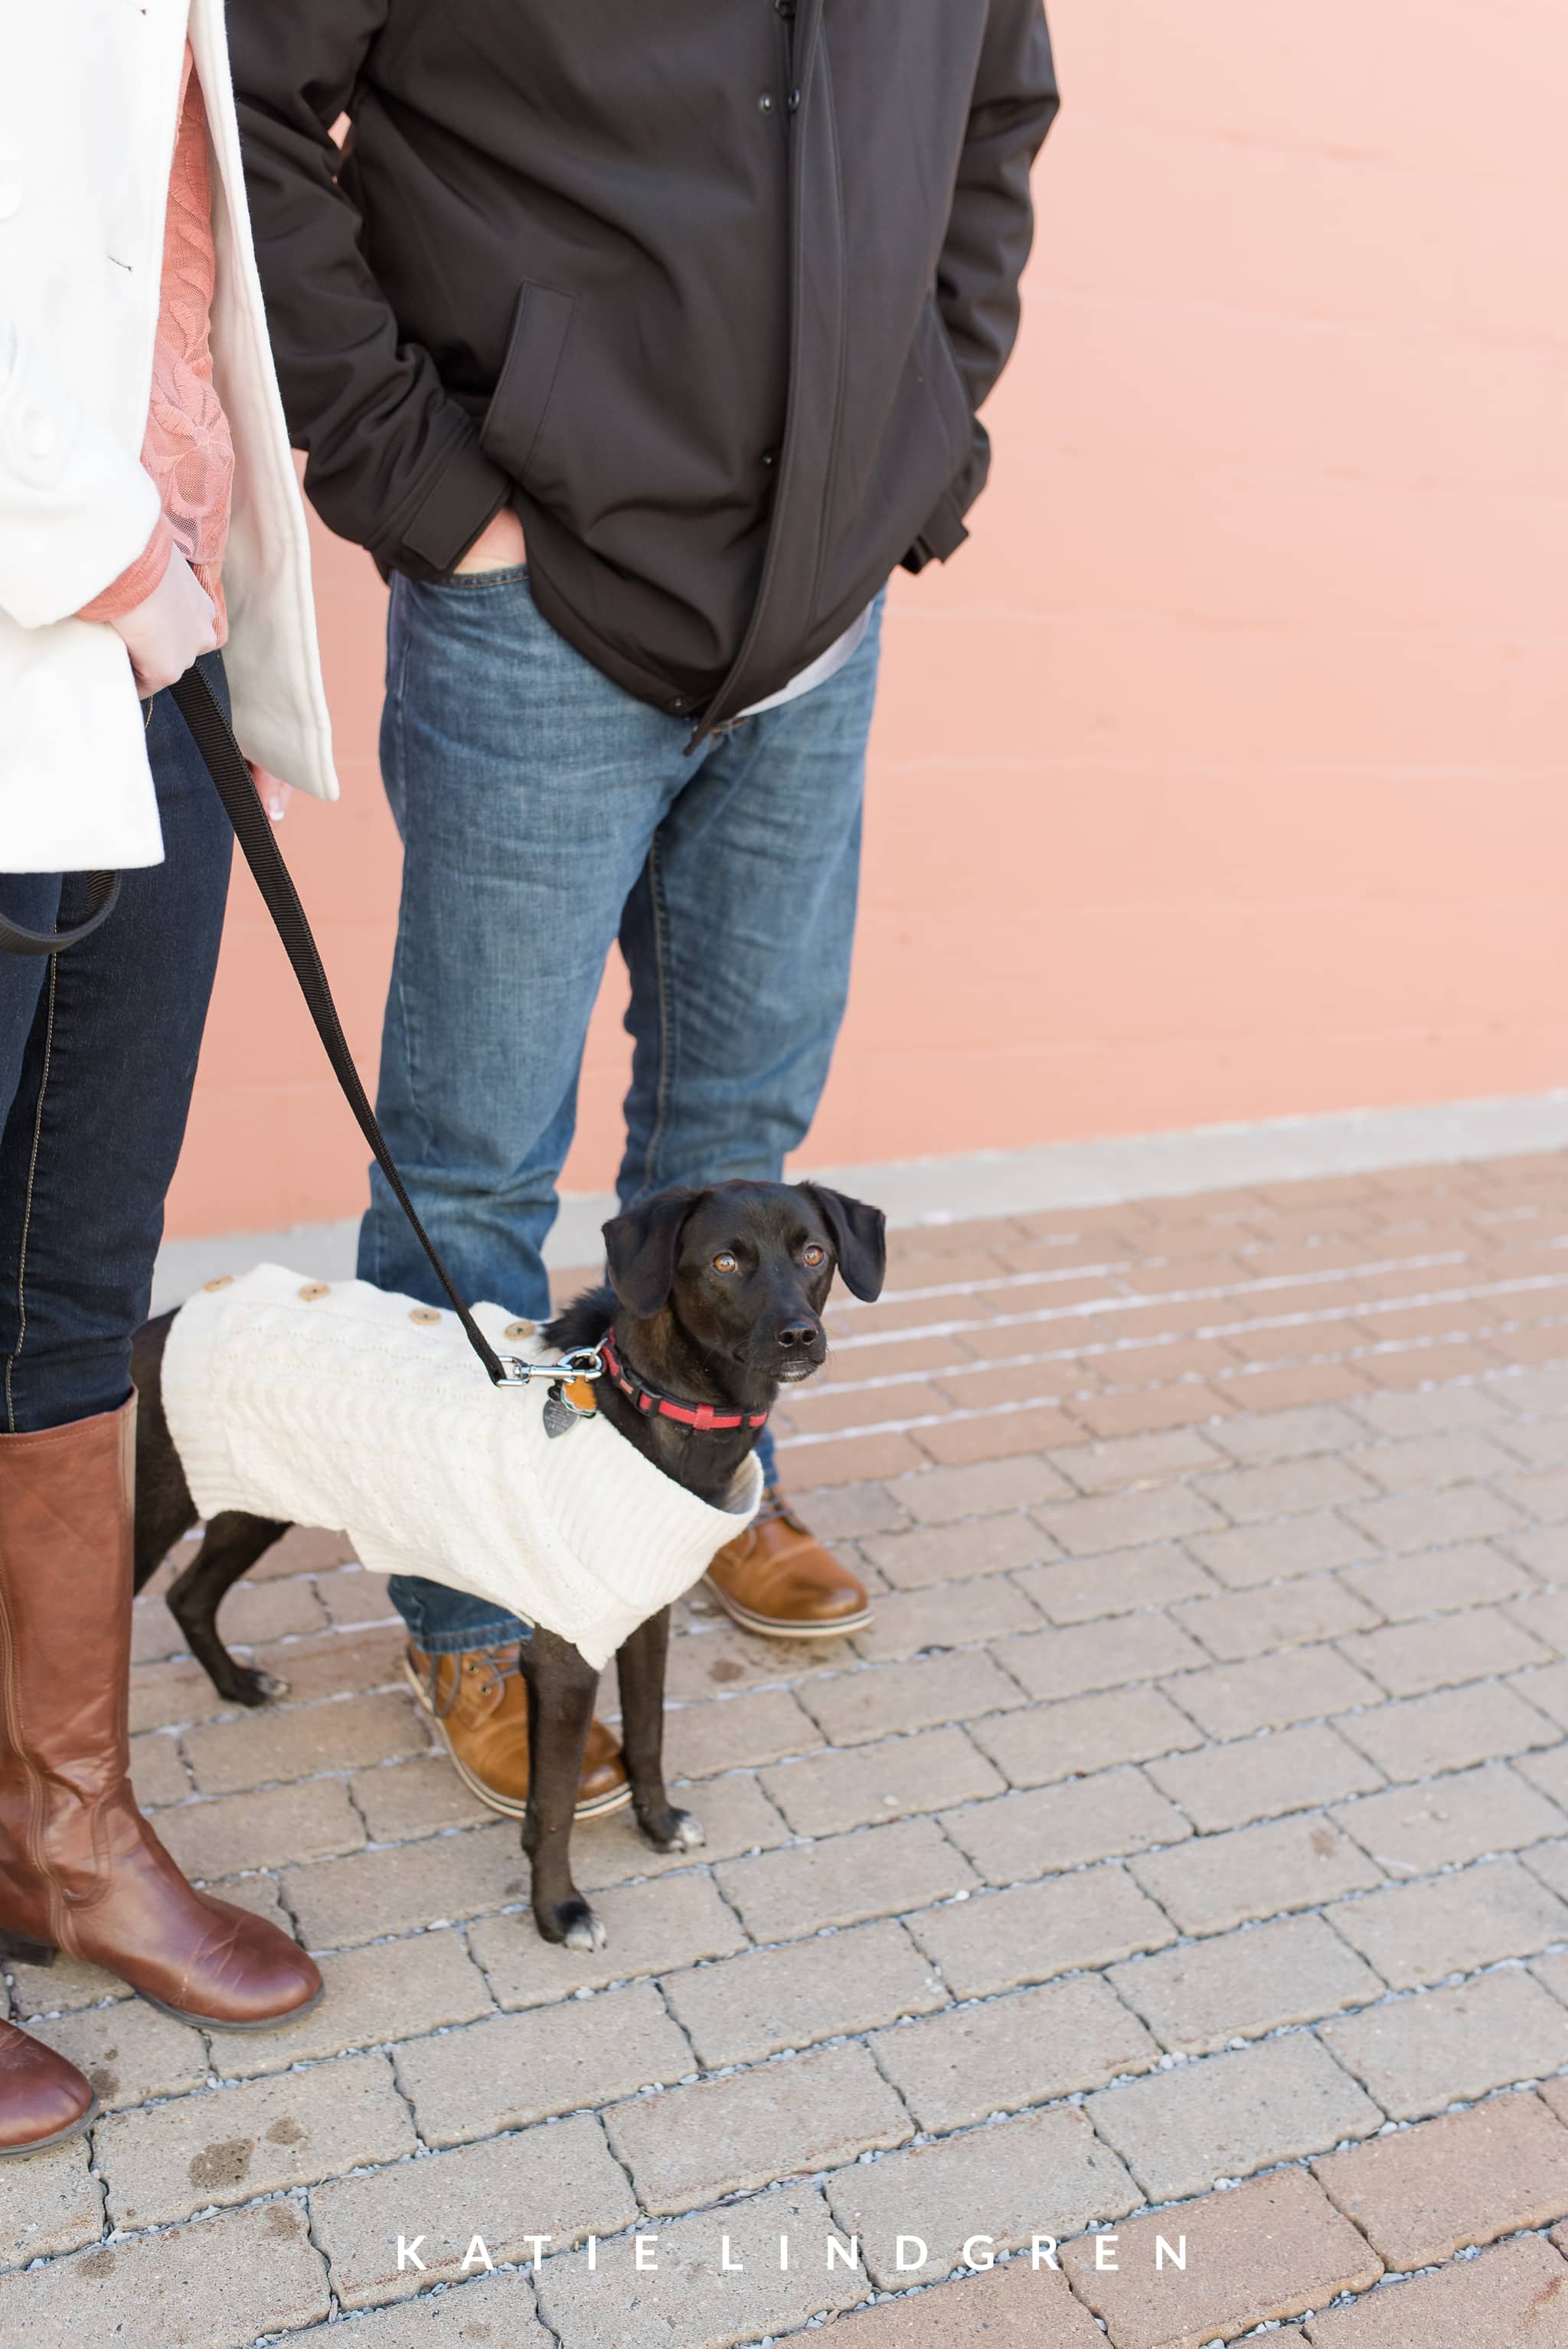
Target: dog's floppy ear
(860, 1239)
(640, 1251)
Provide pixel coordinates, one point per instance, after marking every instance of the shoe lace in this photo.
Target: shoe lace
(499, 1663)
(773, 1508)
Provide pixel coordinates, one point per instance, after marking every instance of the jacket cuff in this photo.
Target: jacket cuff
(466, 492)
(137, 580)
(943, 534)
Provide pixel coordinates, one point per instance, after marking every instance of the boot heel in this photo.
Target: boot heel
(20, 1951)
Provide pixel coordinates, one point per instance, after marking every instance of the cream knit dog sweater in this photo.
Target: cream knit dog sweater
(344, 1406)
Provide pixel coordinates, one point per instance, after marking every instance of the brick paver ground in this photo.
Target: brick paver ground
(1178, 1867)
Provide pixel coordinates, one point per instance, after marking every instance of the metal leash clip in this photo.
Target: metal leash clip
(586, 1362)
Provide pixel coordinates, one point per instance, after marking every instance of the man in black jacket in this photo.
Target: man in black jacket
(695, 310)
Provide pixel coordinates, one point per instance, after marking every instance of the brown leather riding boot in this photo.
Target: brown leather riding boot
(43, 2099)
(80, 1869)
(479, 1702)
(778, 1578)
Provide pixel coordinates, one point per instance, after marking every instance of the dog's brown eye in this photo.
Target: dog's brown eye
(813, 1255)
(725, 1262)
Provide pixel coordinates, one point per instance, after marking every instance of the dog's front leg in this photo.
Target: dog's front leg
(640, 1668)
(562, 1688)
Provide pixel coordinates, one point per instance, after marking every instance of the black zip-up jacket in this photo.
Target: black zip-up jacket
(712, 292)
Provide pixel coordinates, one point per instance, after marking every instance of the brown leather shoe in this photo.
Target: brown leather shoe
(778, 1578)
(479, 1702)
(43, 2099)
(80, 1869)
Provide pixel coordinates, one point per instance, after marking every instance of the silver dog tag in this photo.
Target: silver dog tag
(559, 1417)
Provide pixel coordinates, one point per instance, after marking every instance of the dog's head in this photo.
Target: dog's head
(744, 1269)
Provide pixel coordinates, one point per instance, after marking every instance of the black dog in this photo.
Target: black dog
(713, 1296)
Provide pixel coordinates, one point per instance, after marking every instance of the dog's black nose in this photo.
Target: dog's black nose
(798, 1336)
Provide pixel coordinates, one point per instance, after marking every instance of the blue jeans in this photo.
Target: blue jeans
(545, 813)
(98, 1057)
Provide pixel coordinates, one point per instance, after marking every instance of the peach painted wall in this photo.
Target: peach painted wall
(1222, 774)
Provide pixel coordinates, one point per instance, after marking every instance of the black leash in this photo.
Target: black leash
(103, 896)
(226, 762)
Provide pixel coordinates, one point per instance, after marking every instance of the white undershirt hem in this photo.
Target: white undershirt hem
(826, 665)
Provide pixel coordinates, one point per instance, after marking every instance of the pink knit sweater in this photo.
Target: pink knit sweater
(187, 448)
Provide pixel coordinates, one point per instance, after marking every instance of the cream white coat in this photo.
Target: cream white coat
(89, 90)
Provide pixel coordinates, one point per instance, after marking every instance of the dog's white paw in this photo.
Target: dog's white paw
(586, 1932)
(688, 1834)
(248, 1684)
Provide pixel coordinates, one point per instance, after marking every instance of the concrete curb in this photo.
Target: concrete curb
(1009, 1182)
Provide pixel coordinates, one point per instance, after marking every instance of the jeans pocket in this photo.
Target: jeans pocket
(511, 575)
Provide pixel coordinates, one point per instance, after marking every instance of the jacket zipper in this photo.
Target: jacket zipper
(786, 12)
(801, 27)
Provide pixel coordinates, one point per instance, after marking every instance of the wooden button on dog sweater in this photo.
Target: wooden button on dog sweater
(426, 1316)
(315, 1289)
(520, 1329)
(222, 1281)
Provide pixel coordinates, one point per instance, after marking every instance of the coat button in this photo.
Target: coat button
(315, 1289)
(793, 102)
(426, 1316)
(520, 1329)
(765, 104)
(224, 1281)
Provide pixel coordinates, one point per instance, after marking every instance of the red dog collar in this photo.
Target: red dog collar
(700, 1415)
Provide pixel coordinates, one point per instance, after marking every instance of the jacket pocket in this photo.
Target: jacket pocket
(937, 366)
(901, 489)
(516, 414)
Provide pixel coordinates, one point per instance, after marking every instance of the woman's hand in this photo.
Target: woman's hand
(498, 545)
(169, 630)
(273, 793)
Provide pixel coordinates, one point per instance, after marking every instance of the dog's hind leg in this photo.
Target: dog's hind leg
(640, 1668)
(234, 1543)
(164, 1509)
(562, 1688)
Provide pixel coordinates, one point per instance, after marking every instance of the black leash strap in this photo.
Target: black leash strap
(224, 761)
(103, 895)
